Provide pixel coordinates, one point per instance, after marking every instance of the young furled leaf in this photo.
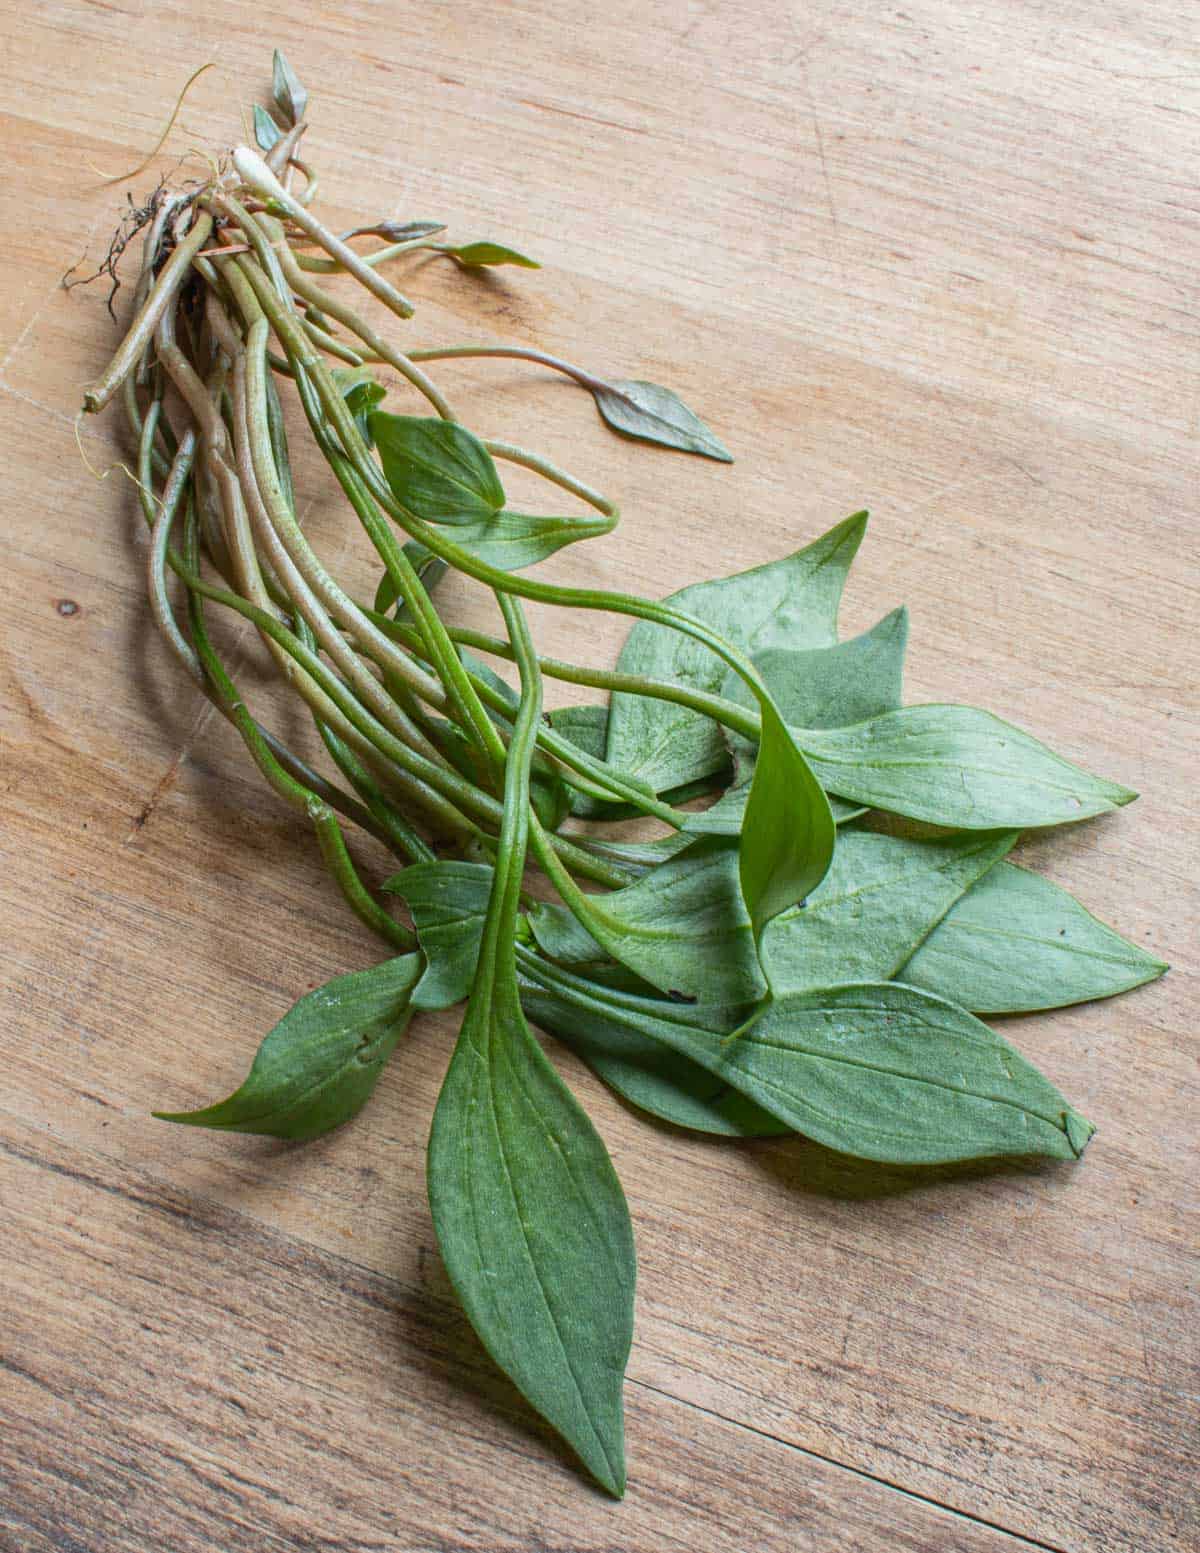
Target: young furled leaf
(529, 1214)
(875, 1069)
(1015, 943)
(956, 766)
(473, 256)
(438, 469)
(791, 603)
(653, 414)
(290, 97)
(318, 1066)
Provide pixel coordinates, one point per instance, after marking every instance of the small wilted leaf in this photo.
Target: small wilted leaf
(654, 414)
(290, 97)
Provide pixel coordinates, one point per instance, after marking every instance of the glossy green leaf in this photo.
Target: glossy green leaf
(437, 469)
(647, 1073)
(883, 895)
(266, 131)
(528, 1211)
(318, 1066)
(479, 255)
(788, 831)
(791, 603)
(875, 1069)
(956, 766)
(359, 388)
(1017, 942)
(448, 901)
(653, 414)
(290, 97)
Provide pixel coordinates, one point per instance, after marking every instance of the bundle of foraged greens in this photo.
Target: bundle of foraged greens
(779, 960)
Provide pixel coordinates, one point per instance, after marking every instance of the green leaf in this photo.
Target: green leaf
(528, 1210)
(881, 897)
(438, 469)
(643, 1071)
(641, 855)
(875, 1069)
(448, 901)
(829, 687)
(290, 97)
(653, 414)
(534, 1231)
(791, 603)
(512, 541)
(1016, 942)
(788, 832)
(359, 388)
(956, 766)
(683, 928)
(318, 1066)
(266, 131)
(478, 255)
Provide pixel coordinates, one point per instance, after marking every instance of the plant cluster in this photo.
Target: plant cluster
(806, 946)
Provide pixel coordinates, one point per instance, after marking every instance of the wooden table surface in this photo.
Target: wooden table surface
(938, 261)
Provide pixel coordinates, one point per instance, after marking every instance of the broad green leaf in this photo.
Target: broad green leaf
(791, 603)
(290, 97)
(448, 901)
(956, 766)
(683, 928)
(643, 1071)
(875, 1069)
(724, 818)
(266, 131)
(478, 255)
(534, 1231)
(653, 414)
(641, 855)
(318, 1066)
(437, 469)
(1015, 943)
(882, 896)
(512, 541)
(788, 831)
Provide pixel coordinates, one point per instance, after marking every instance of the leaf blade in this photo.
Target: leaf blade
(438, 469)
(318, 1066)
(650, 413)
(1016, 943)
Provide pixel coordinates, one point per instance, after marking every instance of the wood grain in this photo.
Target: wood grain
(938, 261)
